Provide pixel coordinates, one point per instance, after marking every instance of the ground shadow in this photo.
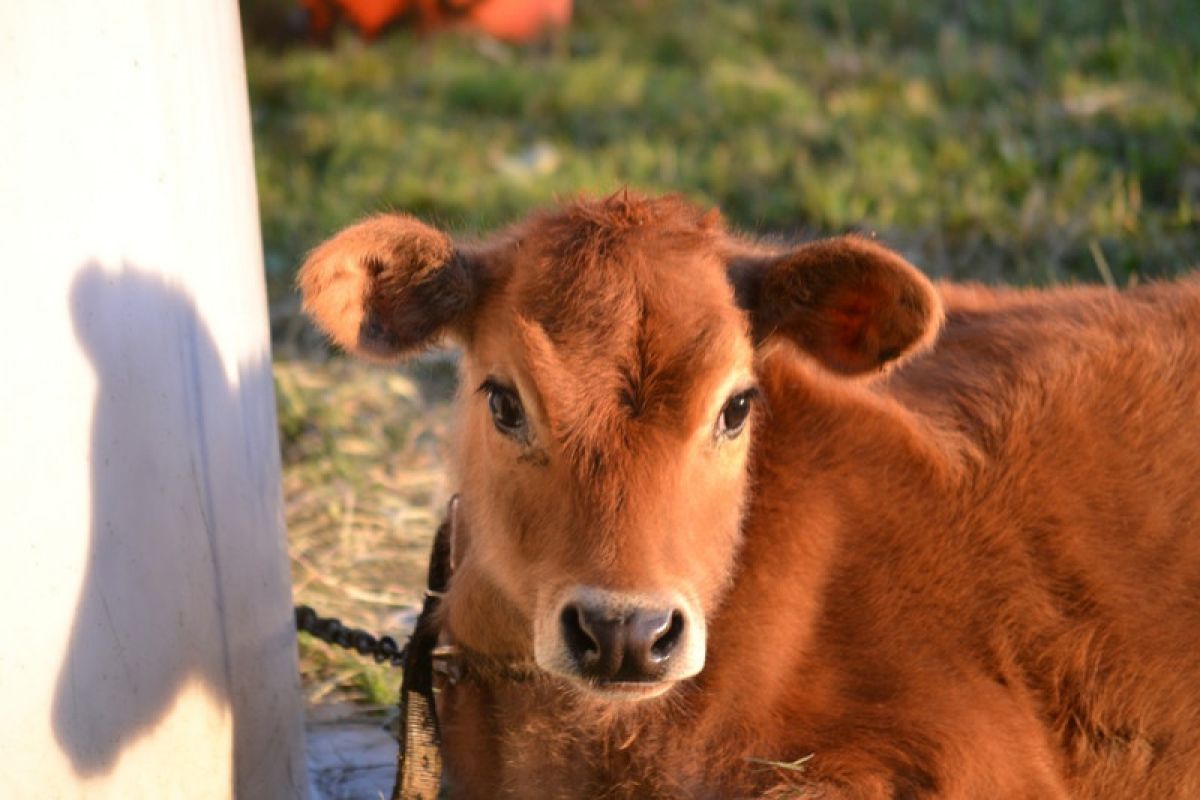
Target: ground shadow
(184, 537)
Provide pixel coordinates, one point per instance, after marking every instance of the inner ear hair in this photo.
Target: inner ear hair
(851, 303)
(389, 286)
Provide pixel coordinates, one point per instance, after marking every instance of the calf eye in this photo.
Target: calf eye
(507, 412)
(734, 414)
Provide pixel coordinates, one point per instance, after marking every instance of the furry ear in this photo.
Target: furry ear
(389, 286)
(852, 304)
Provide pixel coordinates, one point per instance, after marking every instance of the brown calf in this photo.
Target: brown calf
(744, 521)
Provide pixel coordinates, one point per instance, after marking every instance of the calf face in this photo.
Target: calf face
(608, 404)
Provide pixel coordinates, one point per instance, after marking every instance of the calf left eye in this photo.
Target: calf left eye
(508, 414)
(735, 413)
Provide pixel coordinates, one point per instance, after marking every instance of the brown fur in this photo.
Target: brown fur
(973, 574)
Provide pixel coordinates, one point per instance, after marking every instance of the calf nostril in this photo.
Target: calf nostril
(576, 635)
(666, 642)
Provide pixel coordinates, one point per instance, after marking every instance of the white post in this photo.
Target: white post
(146, 644)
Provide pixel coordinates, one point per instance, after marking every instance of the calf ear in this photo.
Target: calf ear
(852, 304)
(389, 286)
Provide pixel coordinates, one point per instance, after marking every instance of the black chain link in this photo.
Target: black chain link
(332, 631)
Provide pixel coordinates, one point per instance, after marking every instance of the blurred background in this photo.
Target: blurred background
(1024, 141)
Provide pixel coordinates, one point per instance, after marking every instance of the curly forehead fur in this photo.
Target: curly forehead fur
(615, 357)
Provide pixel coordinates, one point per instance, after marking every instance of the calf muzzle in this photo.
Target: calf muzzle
(621, 644)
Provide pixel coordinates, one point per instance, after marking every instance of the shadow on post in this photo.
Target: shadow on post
(186, 578)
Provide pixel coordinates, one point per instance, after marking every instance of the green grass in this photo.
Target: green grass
(999, 141)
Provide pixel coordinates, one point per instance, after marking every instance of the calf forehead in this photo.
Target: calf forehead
(631, 293)
(626, 322)
(614, 264)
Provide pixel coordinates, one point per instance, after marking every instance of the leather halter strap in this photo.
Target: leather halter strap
(419, 763)
(430, 650)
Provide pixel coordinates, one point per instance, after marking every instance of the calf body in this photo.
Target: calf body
(961, 568)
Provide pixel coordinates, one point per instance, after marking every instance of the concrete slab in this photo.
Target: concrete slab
(350, 760)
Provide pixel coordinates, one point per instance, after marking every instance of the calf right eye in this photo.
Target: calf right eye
(507, 412)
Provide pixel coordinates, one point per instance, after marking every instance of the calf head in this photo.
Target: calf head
(608, 400)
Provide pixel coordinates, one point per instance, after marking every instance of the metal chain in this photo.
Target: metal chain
(332, 631)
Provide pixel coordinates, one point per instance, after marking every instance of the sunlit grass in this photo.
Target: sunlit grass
(993, 143)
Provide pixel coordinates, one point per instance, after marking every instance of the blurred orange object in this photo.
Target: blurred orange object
(511, 20)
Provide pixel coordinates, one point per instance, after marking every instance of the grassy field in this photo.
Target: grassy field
(997, 143)
(1023, 141)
